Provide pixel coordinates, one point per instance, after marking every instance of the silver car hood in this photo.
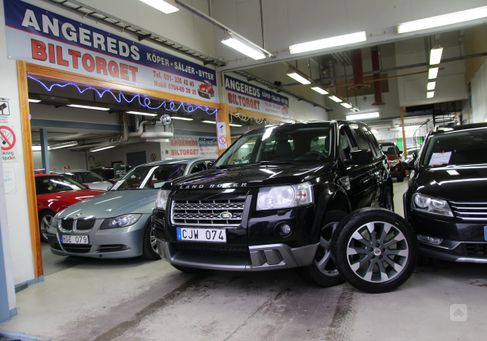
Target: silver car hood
(112, 204)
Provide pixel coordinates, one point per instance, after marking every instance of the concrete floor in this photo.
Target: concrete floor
(136, 300)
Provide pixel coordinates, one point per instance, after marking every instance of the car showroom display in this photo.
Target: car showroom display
(116, 224)
(90, 179)
(274, 199)
(55, 193)
(396, 166)
(446, 199)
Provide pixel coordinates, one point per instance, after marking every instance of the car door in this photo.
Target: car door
(362, 180)
(379, 164)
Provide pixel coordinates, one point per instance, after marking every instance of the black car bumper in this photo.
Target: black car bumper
(449, 238)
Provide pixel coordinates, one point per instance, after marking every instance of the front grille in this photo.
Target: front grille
(77, 248)
(470, 210)
(85, 224)
(67, 224)
(112, 248)
(208, 212)
(476, 250)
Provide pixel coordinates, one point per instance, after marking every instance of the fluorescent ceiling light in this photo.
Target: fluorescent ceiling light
(90, 107)
(209, 122)
(234, 125)
(435, 56)
(100, 148)
(141, 113)
(180, 118)
(430, 94)
(244, 48)
(335, 99)
(298, 77)
(431, 86)
(433, 73)
(443, 20)
(319, 90)
(345, 39)
(36, 148)
(161, 5)
(346, 105)
(63, 145)
(363, 116)
(32, 100)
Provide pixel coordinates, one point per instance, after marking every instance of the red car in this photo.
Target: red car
(55, 193)
(396, 166)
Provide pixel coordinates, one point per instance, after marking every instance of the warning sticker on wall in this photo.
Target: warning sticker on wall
(4, 110)
(8, 142)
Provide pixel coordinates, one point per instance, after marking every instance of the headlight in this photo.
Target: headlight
(161, 200)
(120, 221)
(424, 203)
(270, 198)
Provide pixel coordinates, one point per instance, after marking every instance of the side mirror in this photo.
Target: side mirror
(210, 164)
(400, 152)
(411, 160)
(361, 157)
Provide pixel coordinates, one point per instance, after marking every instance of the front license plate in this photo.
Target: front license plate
(485, 233)
(75, 239)
(201, 235)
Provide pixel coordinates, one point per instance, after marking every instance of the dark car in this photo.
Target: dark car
(273, 201)
(446, 202)
(396, 166)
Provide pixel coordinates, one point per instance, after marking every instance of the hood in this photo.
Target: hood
(252, 176)
(454, 183)
(71, 196)
(114, 203)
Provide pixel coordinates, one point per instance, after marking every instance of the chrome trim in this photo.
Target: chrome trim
(203, 208)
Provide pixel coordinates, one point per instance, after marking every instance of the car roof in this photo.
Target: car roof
(441, 130)
(175, 161)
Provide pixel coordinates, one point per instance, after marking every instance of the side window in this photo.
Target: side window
(373, 143)
(345, 144)
(361, 138)
(198, 167)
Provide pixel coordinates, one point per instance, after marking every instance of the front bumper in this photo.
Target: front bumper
(124, 242)
(259, 257)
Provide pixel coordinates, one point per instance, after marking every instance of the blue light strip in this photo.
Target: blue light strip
(144, 101)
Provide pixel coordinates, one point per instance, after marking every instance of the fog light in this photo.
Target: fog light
(285, 230)
(430, 240)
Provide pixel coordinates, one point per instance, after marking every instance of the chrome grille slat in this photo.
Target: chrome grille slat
(470, 211)
(207, 212)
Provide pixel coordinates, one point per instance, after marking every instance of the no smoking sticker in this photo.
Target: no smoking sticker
(7, 138)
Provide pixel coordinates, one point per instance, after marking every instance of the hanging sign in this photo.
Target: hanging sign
(248, 96)
(192, 146)
(46, 38)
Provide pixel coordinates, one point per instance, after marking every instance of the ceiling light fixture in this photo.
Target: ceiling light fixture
(180, 118)
(141, 113)
(431, 86)
(346, 105)
(319, 90)
(161, 5)
(435, 55)
(89, 107)
(208, 122)
(100, 148)
(298, 76)
(244, 46)
(63, 145)
(442, 20)
(430, 94)
(235, 125)
(335, 99)
(433, 73)
(320, 44)
(36, 148)
(32, 100)
(363, 116)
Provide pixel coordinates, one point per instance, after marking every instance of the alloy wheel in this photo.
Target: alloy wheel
(377, 252)
(153, 240)
(45, 223)
(324, 261)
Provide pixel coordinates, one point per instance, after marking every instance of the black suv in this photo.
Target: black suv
(273, 201)
(446, 202)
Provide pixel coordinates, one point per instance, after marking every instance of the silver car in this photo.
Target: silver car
(89, 179)
(116, 224)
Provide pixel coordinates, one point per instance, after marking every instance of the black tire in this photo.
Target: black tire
(189, 270)
(149, 249)
(45, 218)
(378, 261)
(327, 275)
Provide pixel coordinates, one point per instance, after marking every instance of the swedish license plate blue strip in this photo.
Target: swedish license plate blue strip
(178, 233)
(485, 233)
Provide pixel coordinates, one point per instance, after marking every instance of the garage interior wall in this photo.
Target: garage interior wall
(14, 198)
(478, 88)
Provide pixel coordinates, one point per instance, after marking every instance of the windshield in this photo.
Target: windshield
(54, 184)
(149, 177)
(389, 150)
(280, 144)
(85, 177)
(456, 148)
